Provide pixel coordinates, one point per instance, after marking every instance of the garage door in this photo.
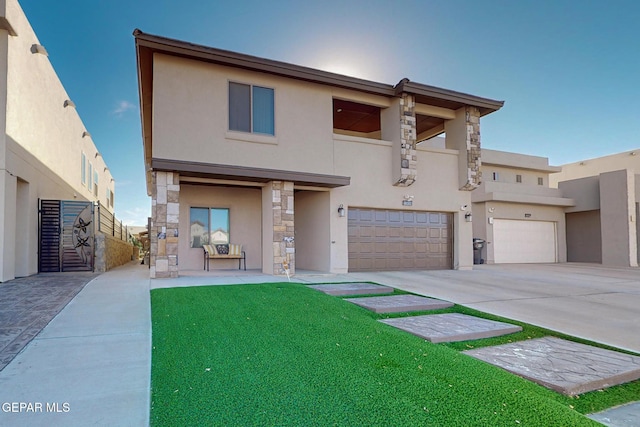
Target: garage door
(399, 240)
(516, 241)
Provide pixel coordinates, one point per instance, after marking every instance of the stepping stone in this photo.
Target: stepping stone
(451, 327)
(625, 415)
(400, 303)
(564, 366)
(338, 289)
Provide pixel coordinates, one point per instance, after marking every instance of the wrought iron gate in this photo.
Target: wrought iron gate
(66, 236)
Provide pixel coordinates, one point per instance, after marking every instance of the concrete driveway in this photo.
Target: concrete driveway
(584, 300)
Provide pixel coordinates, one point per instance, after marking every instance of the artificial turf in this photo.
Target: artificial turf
(283, 354)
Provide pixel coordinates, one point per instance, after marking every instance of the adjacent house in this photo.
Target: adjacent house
(602, 226)
(520, 218)
(45, 150)
(306, 169)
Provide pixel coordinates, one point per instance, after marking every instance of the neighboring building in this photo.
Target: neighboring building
(603, 227)
(45, 150)
(521, 219)
(237, 140)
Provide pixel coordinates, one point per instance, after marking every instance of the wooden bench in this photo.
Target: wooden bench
(218, 252)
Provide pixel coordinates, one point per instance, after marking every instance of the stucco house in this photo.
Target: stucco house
(305, 168)
(45, 150)
(603, 227)
(521, 218)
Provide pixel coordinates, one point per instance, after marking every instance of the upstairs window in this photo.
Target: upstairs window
(251, 109)
(90, 183)
(95, 183)
(83, 169)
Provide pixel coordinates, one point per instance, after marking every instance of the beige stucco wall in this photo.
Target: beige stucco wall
(40, 145)
(36, 117)
(313, 214)
(245, 220)
(618, 215)
(584, 239)
(190, 122)
(596, 166)
(191, 119)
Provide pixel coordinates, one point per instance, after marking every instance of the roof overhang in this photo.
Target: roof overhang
(243, 173)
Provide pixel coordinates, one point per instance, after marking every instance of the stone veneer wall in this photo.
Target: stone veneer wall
(408, 136)
(111, 252)
(472, 122)
(165, 208)
(283, 229)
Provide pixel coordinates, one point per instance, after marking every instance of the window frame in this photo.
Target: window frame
(251, 130)
(209, 226)
(83, 169)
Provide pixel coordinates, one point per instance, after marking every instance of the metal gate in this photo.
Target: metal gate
(66, 236)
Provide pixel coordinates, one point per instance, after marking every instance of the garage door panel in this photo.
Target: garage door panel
(518, 241)
(400, 240)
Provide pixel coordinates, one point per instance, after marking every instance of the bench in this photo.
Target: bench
(225, 251)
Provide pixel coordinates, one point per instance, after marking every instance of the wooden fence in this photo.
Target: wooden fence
(109, 224)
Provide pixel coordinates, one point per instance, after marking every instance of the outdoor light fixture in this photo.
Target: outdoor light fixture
(69, 103)
(341, 210)
(85, 134)
(98, 154)
(38, 48)
(467, 217)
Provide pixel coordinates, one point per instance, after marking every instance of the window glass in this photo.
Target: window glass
(90, 184)
(209, 226)
(239, 107)
(219, 226)
(199, 225)
(263, 110)
(83, 168)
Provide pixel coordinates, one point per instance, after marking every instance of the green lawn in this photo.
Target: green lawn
(282, 354)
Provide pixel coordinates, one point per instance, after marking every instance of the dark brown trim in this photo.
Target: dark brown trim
(234, 59)
(242, 173)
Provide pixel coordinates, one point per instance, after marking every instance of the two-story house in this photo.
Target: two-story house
(521, 218)
(305, 168)
(45, 150)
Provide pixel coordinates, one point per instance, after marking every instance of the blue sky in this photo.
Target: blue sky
(568, 71)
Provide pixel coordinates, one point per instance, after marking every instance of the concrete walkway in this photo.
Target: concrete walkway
(91, 364)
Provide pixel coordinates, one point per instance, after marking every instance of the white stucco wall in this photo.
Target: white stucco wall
(41, 145)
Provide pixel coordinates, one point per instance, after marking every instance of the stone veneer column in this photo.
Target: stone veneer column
(165, 216)
(472, 123)
(408, 135)
(283, 227)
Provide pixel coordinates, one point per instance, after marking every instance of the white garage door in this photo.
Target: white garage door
(517, 241)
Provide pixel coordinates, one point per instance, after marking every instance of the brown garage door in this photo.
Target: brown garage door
(399, 240)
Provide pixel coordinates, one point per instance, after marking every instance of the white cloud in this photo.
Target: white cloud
(135, 216)
(123, 107)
